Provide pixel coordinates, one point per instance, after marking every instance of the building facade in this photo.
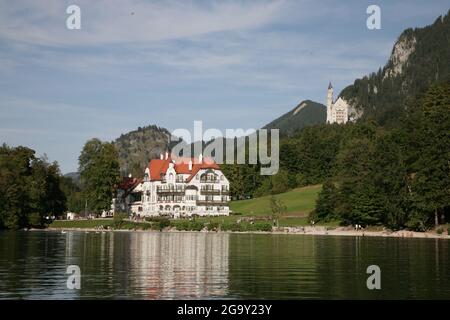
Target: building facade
(175, 187)
(338, 111)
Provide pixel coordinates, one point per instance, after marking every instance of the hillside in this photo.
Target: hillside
(306, 113)
(299, 203)
(137, 147)
(419, 58)
(75, 176)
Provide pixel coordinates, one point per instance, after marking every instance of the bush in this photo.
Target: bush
(196, 226)
(118, 220)
(230, 226)
(35, 220)
(213, 226)
(246, 226)
(262, 226)
(186, 225)
(439, 230)
(163, 223)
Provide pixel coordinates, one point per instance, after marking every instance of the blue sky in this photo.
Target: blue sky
(231, 64)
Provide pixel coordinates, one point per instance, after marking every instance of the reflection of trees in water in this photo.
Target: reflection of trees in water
(31, 265)
(273, 266)
(292, 267)
(196, 265)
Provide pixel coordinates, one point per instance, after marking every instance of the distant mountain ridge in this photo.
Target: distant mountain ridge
(306, 113)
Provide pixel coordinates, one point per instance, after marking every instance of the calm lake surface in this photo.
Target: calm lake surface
(153, 265)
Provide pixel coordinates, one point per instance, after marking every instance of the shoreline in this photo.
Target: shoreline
(315, 231)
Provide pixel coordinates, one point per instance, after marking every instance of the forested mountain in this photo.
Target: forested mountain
(419, 58)
(304, 114)
(390, 167)
(137, 147)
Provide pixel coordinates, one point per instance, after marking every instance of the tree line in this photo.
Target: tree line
(33, 191)
(30, 188)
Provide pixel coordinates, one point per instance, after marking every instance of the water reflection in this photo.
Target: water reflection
(153, 265)
(179, 265)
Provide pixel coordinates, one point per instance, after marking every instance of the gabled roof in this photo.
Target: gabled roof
(158, 167)
(128, 184)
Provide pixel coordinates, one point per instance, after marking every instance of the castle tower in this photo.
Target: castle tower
(329, 103)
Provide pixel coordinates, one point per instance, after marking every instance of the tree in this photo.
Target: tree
(279, 182)
(99, 172)
(75, 199)
(429, 127)
(326, 201)
(278, 208)
(29, 188)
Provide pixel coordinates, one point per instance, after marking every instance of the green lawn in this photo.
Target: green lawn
(299, 202)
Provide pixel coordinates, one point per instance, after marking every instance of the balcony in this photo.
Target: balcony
(203, 180)
(213, 192)
(168, 190)
(212, 203)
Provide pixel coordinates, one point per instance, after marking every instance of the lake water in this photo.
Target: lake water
(153, 265)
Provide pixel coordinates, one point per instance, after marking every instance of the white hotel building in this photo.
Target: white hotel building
(175, 187)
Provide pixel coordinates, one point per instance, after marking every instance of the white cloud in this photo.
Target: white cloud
(119, 21)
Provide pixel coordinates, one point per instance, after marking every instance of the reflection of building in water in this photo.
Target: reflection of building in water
(180, 265)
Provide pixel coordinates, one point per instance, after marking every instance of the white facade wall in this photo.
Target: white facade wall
(206, 194)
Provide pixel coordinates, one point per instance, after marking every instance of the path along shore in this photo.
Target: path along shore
(307, 230)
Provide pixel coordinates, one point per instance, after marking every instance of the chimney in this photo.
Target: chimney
(167, 155)
(200, 158)
(161, 156)
(190, 165)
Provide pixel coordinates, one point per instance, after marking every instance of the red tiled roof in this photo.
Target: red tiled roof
(159, 166)
(128, 184)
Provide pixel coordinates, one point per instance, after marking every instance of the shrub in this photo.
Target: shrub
(263, 226)
(196, 225)
(35, 220)
(230, 226)
(186, 225)
(118, 220)
(213, 226)
(439, 230)
(163, 223)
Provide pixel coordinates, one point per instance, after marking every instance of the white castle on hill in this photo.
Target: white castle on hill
(175, 187)
(338, 111)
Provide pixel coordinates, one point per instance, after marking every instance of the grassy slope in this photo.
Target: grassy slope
(299, 203)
